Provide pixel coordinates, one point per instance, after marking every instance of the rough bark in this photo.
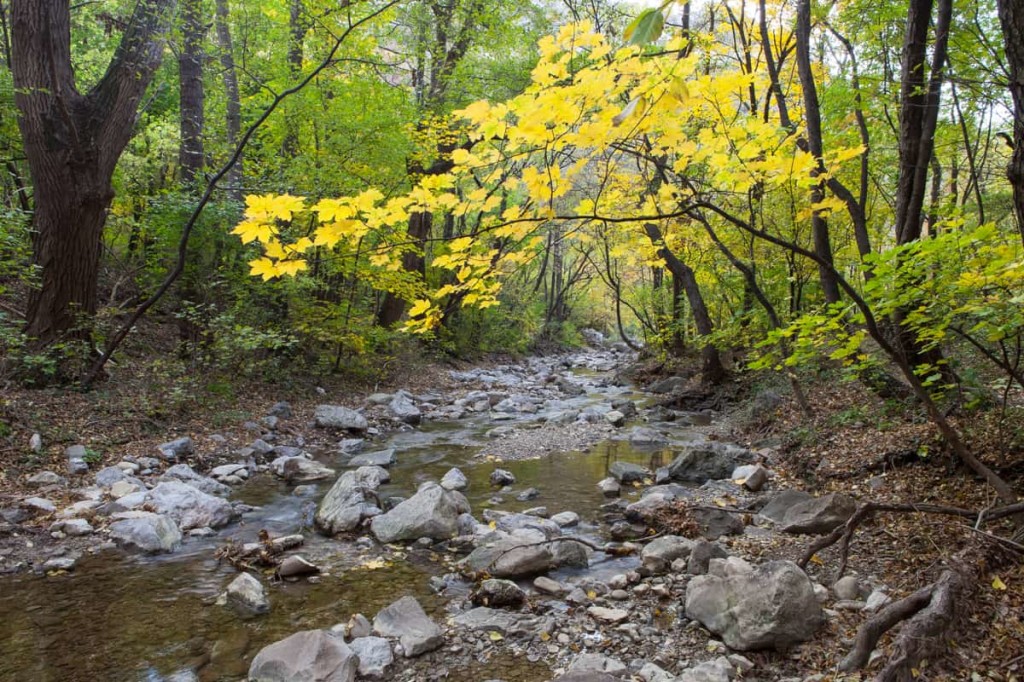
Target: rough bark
(712, 370)
(190, 90)
(812, 124)
(296, 37)
(233, 109)
(393, 306)
(72, 141)
(1011, 16)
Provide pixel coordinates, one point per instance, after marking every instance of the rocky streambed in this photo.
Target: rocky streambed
(497, 530)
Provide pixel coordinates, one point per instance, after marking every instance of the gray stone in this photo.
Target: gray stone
(484, 619)
(615, 418)
(627, 472)
(728, 567)
(403, 409)
(128, 502)
(38, 506)
(339, 418)
(307, 656)
(780, 503)
(524, 553)
(302, 470)
(35, 443)
(528, 494)
(247, 593)
(496, 592)
(61, 563)
(432, 512)
(358, 626)
(454, 480)
(589, 663)
(644, 435)
(375, 656)
(108, 476)
(183, 473)
(659, 554)
(750, 476)
(706, 462)
(281, 410)
(715, 523)
(77, 467)
(718, 670)
(345, 504)
(548, 586)
(296, 566)
(819, 515)
(566, 519)
(406, 620)
(606, 615)
(609, 486)
(44, 478)
(190, 507)
(381, 458)
(876, 600)
(73, 527)
(229, 470)
(145, 532)
(772, 607)
(848, 588)
(174, 450)
(502, 477)
(702, 554)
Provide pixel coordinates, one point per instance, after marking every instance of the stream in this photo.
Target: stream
(123, 617)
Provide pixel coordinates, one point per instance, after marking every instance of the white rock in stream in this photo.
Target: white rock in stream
(145, 532)
(455, 480)
(375, 656)
(247, 592)
(406, 620)
(432, 512)
(190, 507)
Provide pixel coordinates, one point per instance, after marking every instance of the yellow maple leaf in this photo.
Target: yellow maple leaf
(263, 267)
(253, 230)
(997, 583)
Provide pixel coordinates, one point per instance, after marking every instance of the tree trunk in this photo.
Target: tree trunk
(393, 306)
(712, 370)
(233, 113)
(296, 37)
(191, 94)
(72, 142)
(1011, 16)
(812, 122)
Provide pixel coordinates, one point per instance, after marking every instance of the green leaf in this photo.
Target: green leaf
(646, 28)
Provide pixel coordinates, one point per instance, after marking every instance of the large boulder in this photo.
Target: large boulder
(190, 507)
(819, 515)
(176, 450)
(183, 473)
(773, 607)
(524, 553)
(780, 503)
(432, 512)
(145, 532)
(339, 418)
(307, 656)
(345, 505)
(404, 409)
(659, 554)
(406, 620)
(375, 656)
(247, 594)
(706, 462)
(627, 472)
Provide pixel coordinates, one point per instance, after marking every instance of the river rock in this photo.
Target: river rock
(38, 506)
(72, 527)
(596, 665)
(176, 450)
(454, 480)
(773, 607)
(44, 478)
(380, 458)
(609, 486)
(484, 619)
(230, 473)
(702, 554)
(339, 418)
(780, 503)
(627, 472)
(281, 410)
(510, 523)
(819, 515)
(432, 512)
(498, 593)
(502, 477)
(345, 504)
(375, 656)
(750, 476)
(247, 593)
(659, 554)
(296, 566)
(403, 409)
(524, 553)
(566, 519)
(706, 462)
(145, 532)
(406, 620)
(848, 588)
(615, 418)
(190, 507)
(108, 476)
(528, 494)
(606, 615)
(307, 656)
(645, 435)
(718, 670)
(714, 523)
(183, 473)
(547, 585)
(301, 469)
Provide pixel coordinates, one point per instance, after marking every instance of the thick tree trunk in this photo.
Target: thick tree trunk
(812, 122)
(72, 142)
(233, 109)
(712, 370)
(1011, 16)
(393, 306)
(297, 36)
(191, 93)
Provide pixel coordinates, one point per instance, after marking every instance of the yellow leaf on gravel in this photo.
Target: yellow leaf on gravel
(495, 636)
(997, 583)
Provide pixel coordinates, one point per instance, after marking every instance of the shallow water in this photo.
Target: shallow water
(127, 618)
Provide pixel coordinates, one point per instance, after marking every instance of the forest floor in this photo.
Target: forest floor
(854, 443)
